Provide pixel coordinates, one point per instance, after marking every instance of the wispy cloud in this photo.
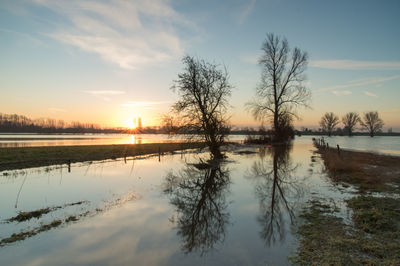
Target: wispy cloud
(370, 94)
(341, 93)
(355, 65)
(105, 92)
(245, 11)
(54, 109)
(250, 59)
(359, 82)
(392, 111)
(142, 103)
(126, 33)
(23, 35)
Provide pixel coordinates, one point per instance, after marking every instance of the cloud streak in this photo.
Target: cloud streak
(341, 93)
(246, 11)
(250, 59)
(355, 65)
(142, 103)
(129, 34)
(370, 94)
(105, 92)
(55, 109)
(359, 82)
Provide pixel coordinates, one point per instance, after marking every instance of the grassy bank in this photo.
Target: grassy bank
(26, 157)
(372, 237)
(367, 171)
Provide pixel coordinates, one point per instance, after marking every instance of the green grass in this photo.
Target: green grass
(26, 157)
(376, 215)
(372, 239)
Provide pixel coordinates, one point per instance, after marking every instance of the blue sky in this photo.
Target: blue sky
(108, 61)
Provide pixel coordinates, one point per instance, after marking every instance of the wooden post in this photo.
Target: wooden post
(338, 149)
(159, 154)
(69, 166)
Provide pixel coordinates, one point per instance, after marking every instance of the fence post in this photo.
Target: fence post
(69, 166)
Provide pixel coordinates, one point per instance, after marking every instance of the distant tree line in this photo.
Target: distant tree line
(371, 122)
(13, 123)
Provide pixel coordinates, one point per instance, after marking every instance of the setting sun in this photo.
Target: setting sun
(131, 123)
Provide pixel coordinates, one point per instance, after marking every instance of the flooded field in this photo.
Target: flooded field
(34, 140)
(385, 145)
(172, 211)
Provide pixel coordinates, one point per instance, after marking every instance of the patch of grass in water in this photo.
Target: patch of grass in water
(327, 240)
(25, 234)
(71, 218)
(27, 215)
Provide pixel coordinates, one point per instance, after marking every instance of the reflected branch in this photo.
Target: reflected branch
(199, 198)
(276, 189)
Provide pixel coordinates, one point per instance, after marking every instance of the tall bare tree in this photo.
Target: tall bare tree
(372, 123)
(350, 120)
(328, 122)
(204, 90)
(281, 90)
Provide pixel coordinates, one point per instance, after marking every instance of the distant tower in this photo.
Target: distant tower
(139, 123)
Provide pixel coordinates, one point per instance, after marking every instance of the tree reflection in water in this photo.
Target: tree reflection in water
(277, 190)
(198, 193)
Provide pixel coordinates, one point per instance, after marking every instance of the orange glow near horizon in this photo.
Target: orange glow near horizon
(131, 123)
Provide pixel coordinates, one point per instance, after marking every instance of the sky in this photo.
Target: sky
(106, 62)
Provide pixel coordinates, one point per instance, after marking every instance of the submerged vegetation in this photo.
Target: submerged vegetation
(27, 215)
(26, 234)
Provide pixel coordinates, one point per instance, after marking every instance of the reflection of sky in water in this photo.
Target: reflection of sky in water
(144, 231)
(389, 145)
(26, 140)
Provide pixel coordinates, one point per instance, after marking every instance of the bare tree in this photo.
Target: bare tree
(372, 122)
(350, 120)
(281, 90)
(328, 122)
(204, 90)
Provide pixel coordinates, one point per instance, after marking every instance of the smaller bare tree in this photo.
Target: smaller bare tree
(372, 123)
(201, 110)
(328, 122)
(350, 120)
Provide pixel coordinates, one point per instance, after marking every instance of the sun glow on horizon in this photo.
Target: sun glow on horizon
(131, 123)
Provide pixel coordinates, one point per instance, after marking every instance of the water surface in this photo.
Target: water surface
(381, 144)
(168, 212)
